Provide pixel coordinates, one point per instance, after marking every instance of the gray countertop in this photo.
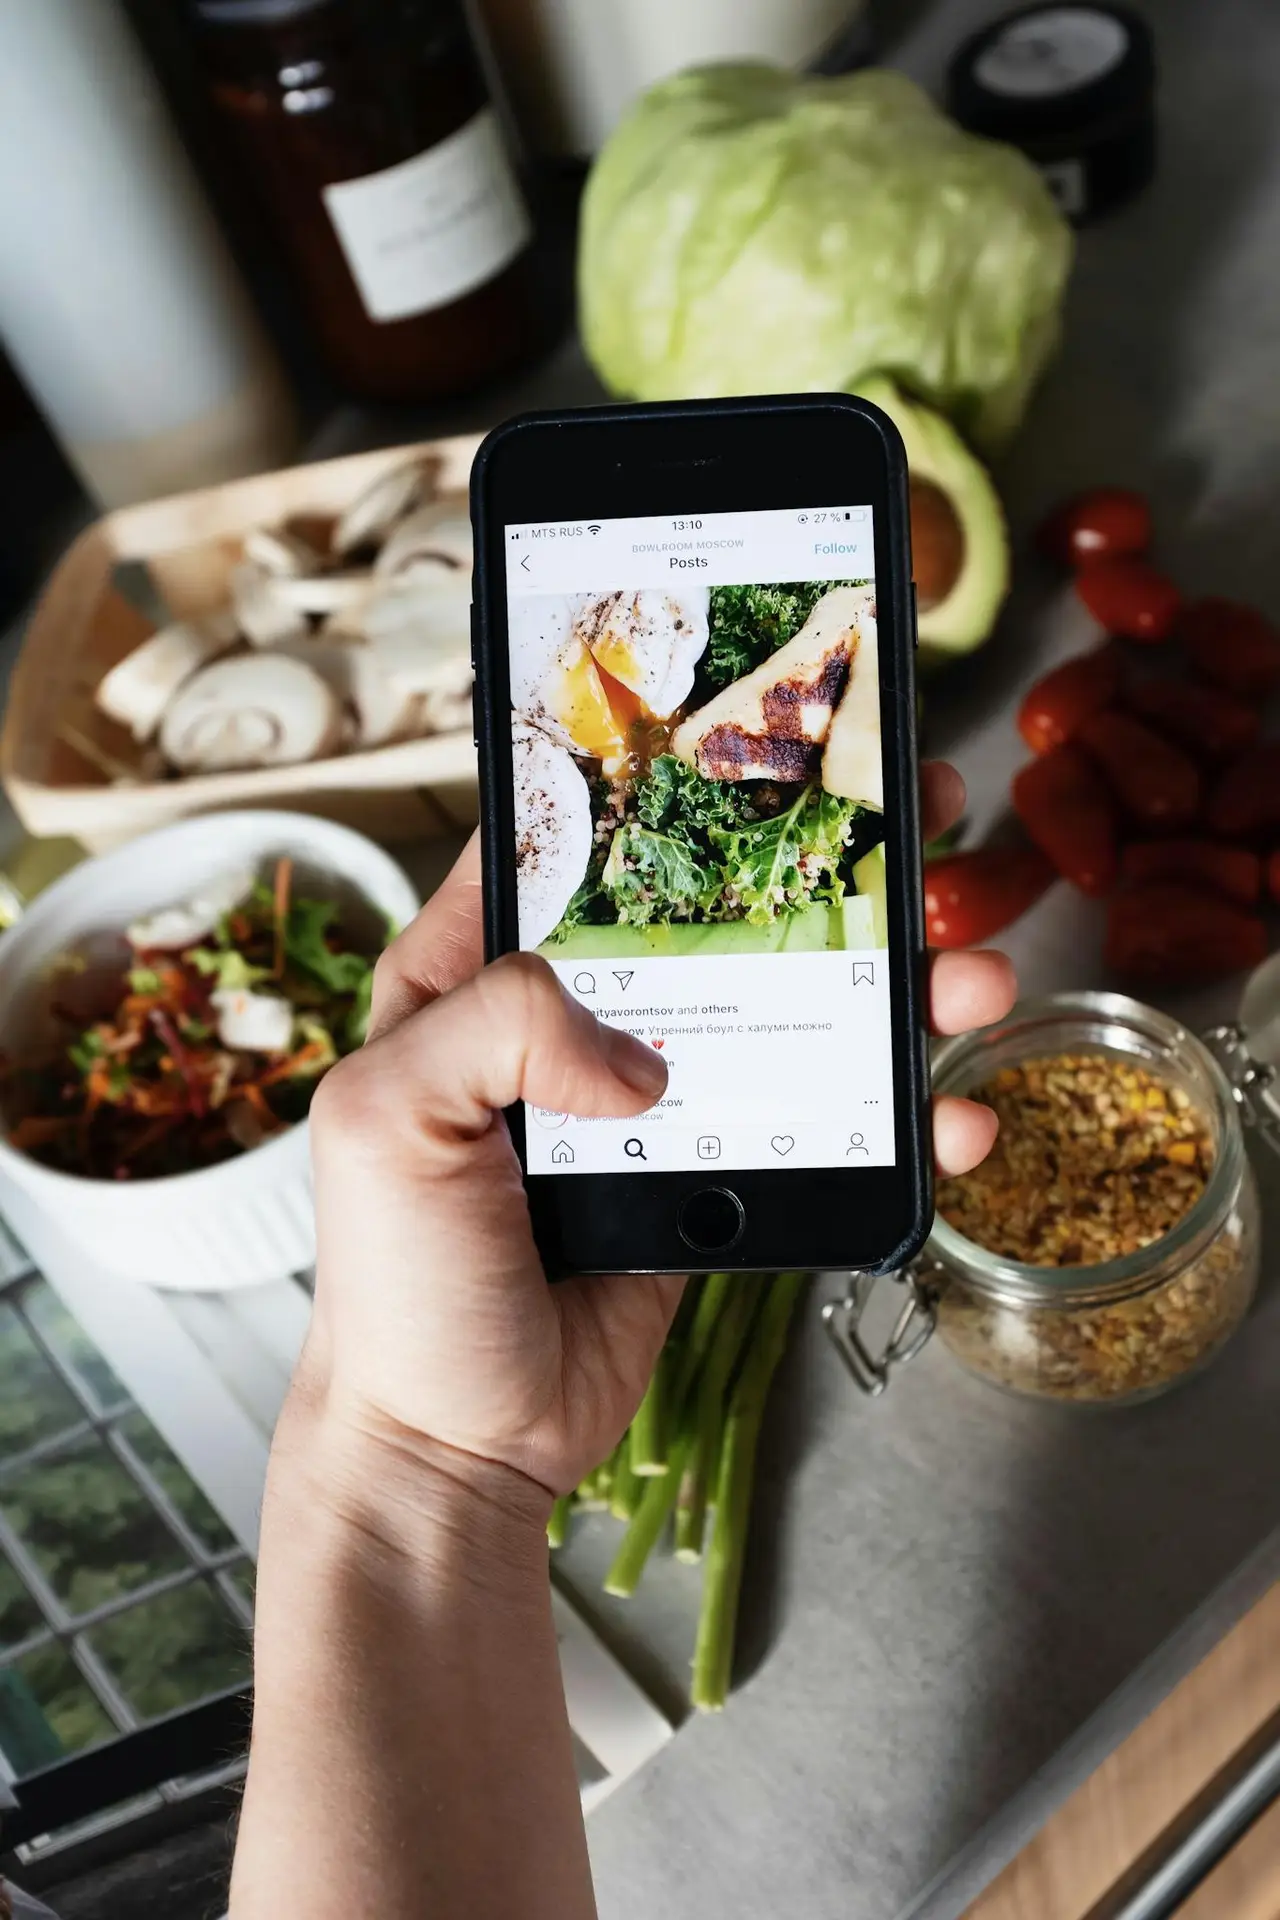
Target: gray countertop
(944, 1585)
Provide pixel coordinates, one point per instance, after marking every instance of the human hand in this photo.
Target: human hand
(434, 1322)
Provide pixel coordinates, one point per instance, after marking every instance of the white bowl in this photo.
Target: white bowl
(245, 1220)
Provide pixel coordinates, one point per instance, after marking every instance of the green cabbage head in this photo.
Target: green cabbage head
(749, 231)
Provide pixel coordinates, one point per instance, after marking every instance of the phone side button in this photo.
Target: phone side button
(915, 616)
(711, 1220)
(475, 695)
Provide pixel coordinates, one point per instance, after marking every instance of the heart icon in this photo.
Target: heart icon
(782, 1143)
(659, 1044)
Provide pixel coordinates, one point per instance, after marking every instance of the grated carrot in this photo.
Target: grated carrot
(280, 902)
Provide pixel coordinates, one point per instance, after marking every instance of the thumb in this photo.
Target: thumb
(511, 1033)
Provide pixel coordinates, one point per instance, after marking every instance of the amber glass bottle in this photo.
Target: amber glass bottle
(367, 132)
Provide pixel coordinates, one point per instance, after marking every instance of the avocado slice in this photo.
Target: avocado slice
(816, 930)
(856, 924)
(960, 542)
(869, 879)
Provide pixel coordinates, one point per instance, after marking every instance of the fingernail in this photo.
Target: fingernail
(634, 1062)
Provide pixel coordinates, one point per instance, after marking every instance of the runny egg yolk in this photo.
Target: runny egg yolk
(627, 706)
(583, 709)
(616, 656)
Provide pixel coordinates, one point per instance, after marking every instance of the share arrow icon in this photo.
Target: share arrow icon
(624, 979)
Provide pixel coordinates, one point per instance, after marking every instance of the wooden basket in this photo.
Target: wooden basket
(56, 746)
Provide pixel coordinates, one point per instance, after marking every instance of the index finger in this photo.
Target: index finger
(440, 948)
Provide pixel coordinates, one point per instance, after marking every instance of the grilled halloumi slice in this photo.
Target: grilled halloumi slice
(771, 724)
(853, 764)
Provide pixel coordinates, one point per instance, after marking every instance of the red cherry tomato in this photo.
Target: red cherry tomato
(1058, 704)
(1234, 646)
(970, 896)
(1155, 783)
(1169, 936)
(1065, 808)
(1106, 523)
(1130, 598)
(1245, 804)
(1232, 871)
(1208, 723)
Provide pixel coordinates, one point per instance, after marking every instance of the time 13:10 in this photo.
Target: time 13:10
(686, 526)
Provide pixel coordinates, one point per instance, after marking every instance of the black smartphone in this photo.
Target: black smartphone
(695, 710)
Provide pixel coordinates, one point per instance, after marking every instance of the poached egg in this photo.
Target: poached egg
(649, 641)
(585, 668)
(553, 830)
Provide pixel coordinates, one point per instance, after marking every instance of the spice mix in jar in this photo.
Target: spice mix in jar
(1109, 1246)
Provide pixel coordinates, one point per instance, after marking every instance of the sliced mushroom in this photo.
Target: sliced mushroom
(327, 593)
(421, 633)
(373, 513)
(139, 688)
(257, 710)
(444, 712)
(434, 539)
(379, 711)
(282, 554)
(266, 616)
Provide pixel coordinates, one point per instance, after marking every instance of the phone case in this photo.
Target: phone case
(908, 877)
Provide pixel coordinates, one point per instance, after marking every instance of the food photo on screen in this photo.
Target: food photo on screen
(698, 770)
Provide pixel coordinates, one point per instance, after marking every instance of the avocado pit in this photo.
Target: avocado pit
(937, 544)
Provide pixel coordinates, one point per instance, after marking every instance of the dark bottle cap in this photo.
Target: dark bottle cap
(254, 13)
(1074, 88)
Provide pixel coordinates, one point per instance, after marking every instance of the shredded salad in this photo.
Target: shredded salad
(205, 1036)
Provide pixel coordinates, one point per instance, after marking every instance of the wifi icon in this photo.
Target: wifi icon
(594, 529)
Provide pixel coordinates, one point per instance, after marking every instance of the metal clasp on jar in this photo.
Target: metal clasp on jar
(911, 1332)
(1249, 1079)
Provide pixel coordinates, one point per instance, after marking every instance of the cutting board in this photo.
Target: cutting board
(1102, 1844)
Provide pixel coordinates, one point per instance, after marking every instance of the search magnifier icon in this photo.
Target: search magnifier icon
(634, 1149)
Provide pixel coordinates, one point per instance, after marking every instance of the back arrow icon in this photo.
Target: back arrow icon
(524, 562)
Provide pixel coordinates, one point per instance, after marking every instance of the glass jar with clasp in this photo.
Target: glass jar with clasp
(1108, 1332)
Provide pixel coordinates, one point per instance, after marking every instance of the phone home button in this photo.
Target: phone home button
(711, 1220)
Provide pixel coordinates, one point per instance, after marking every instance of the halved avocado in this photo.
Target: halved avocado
(959, 540)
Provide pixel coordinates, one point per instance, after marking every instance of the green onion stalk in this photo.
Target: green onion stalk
(722, 1583)
(690, 1452)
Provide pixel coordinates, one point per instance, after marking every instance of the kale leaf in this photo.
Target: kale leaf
(775, 866)
(749, 623)
(672, 791)
(656, 875)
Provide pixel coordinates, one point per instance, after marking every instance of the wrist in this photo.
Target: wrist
(413, 1504)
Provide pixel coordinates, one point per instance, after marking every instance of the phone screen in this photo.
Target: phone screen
(699, 794)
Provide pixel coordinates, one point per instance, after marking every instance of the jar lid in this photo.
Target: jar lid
(1052, 69)
(254, 13)
(1074, 88)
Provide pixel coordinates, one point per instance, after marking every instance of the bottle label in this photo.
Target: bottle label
(424, 233)
(1052, 51)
